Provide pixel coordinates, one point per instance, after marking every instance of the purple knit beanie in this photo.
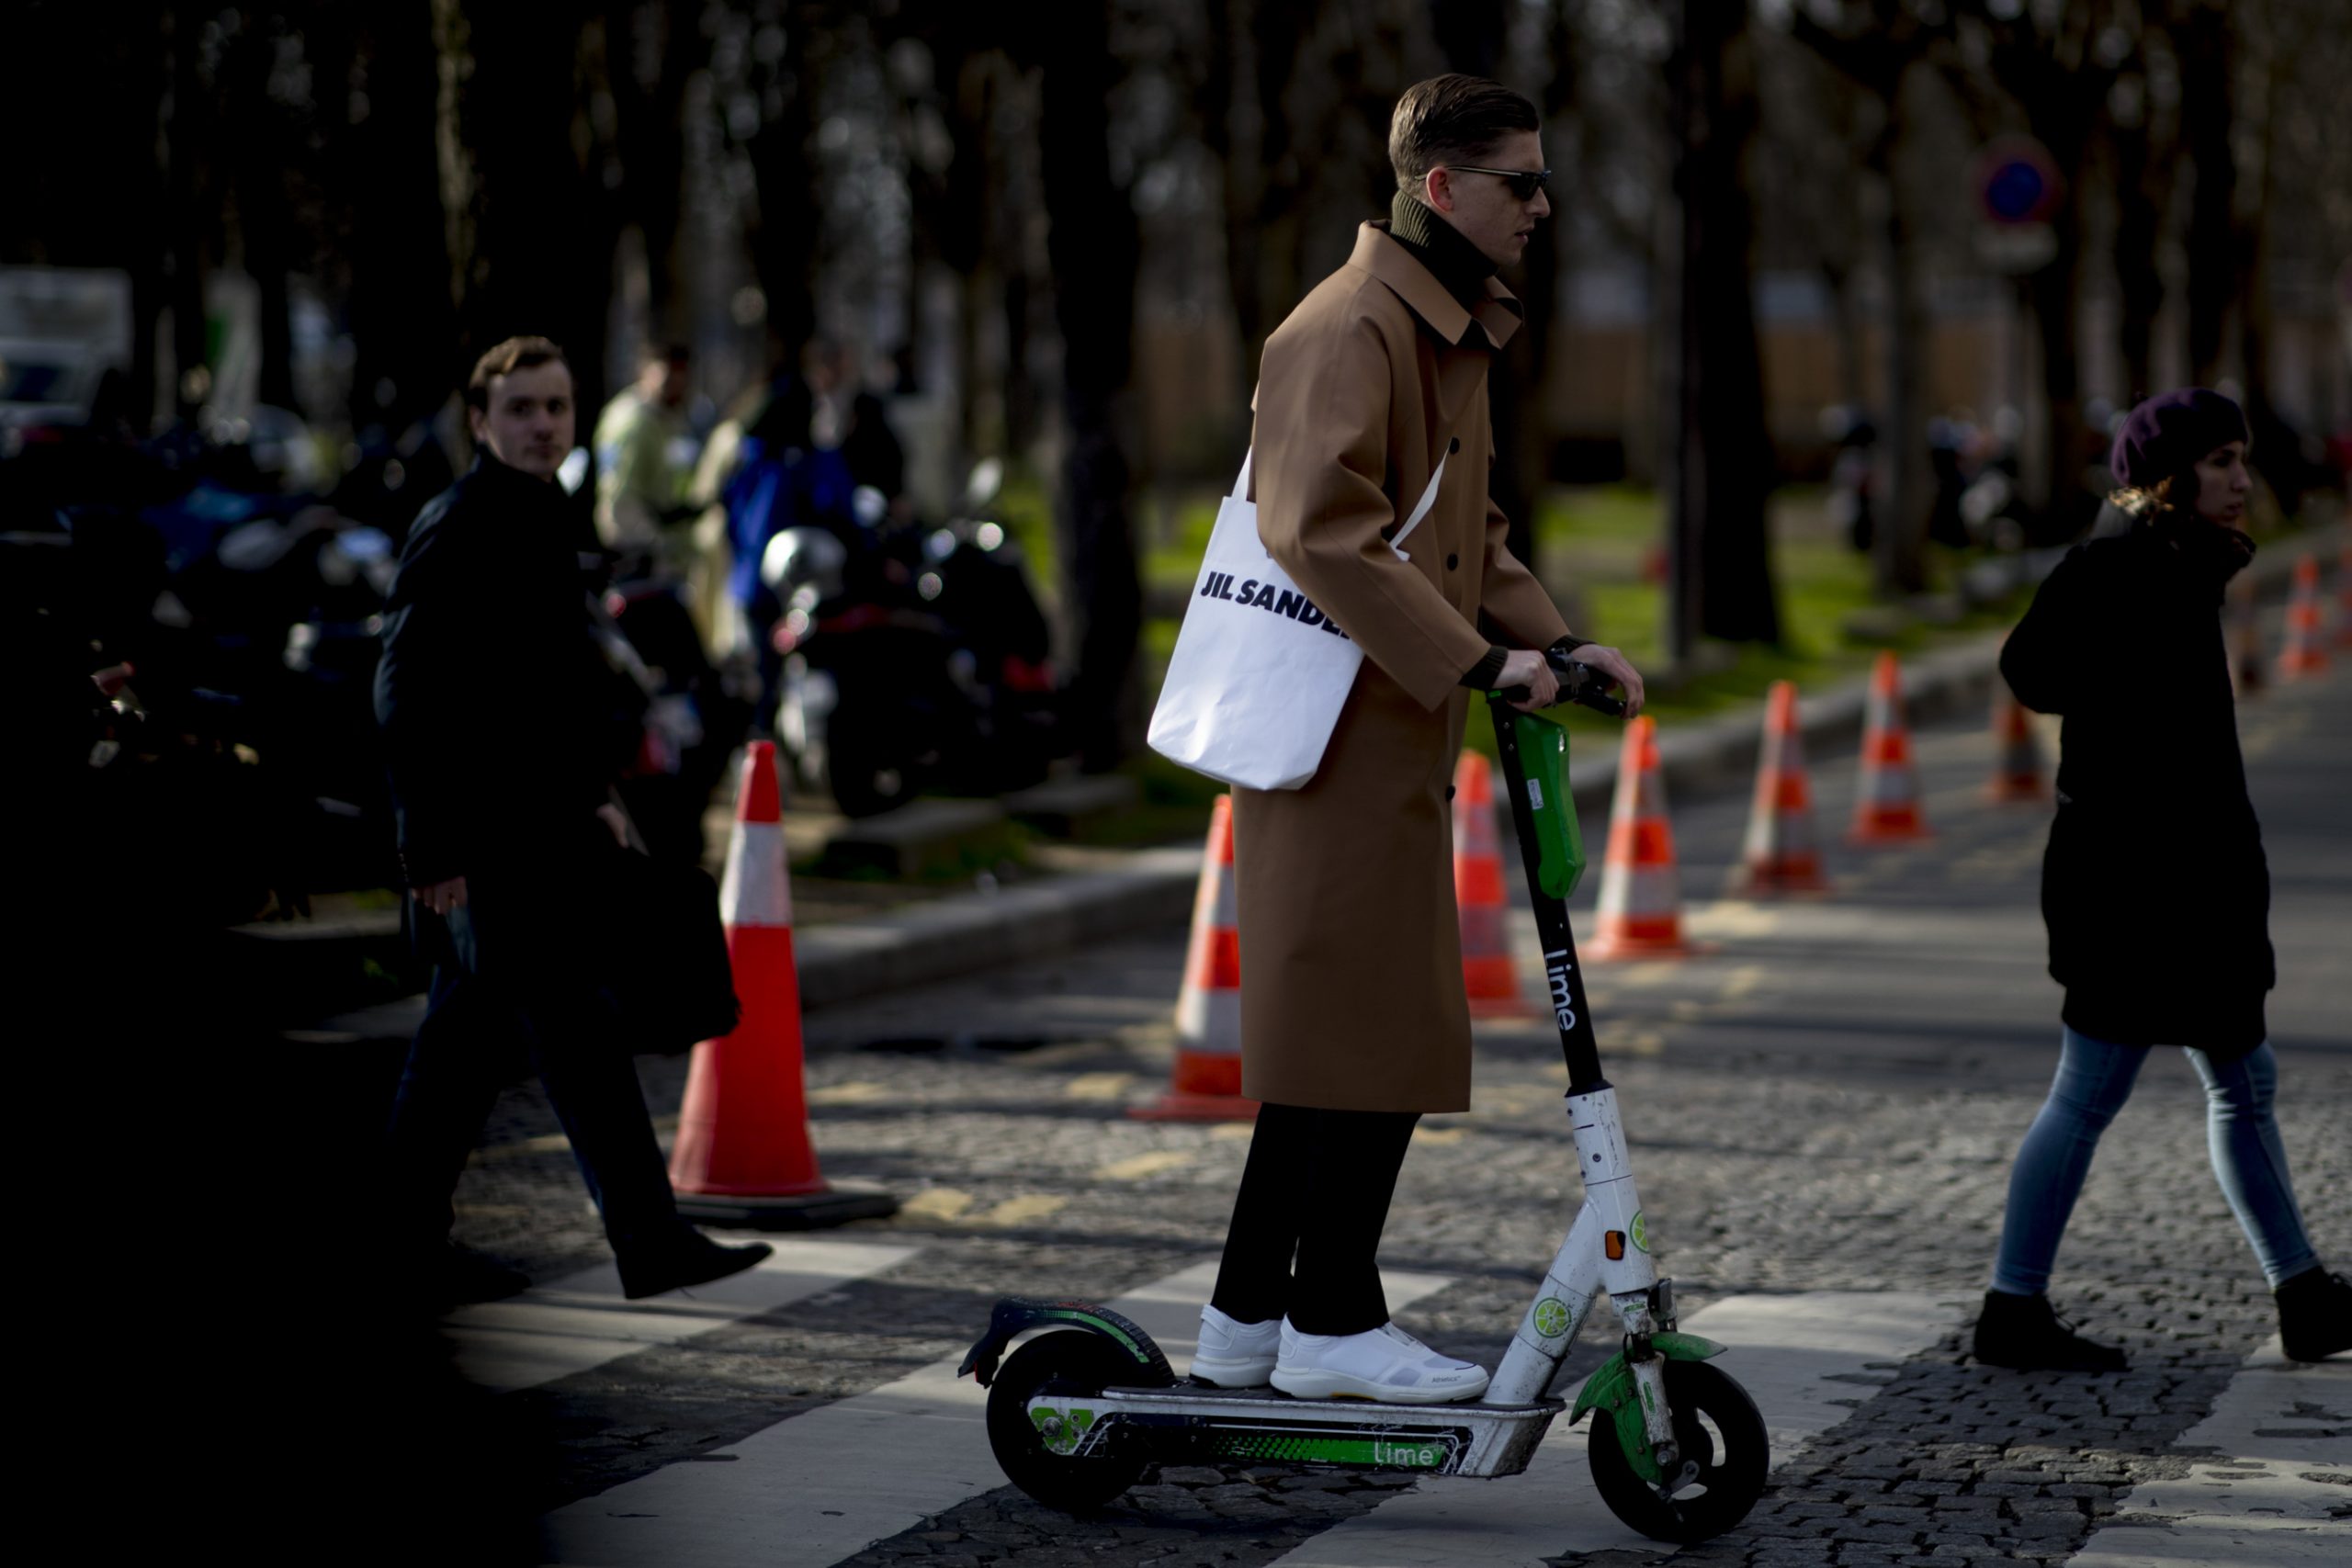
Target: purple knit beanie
(2166, 435)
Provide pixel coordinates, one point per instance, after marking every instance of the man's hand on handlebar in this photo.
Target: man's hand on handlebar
(1615, 666)
(1526, 671)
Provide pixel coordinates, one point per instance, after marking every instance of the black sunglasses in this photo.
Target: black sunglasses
(1524, 183)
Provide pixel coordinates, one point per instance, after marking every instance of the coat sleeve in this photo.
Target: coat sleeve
(428, 694)
(2048, 654)
(1322, 460)
(1509, 595)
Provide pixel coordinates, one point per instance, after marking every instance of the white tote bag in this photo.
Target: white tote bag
(1259, 672)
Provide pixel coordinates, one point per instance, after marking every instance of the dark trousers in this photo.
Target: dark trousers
(464, 1054)
(1306, 1222)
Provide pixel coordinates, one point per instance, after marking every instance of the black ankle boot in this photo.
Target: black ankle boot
(2026, 1333)
(2314, 1315)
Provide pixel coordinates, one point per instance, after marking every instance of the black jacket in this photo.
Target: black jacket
(2154, 886)
(504, 723)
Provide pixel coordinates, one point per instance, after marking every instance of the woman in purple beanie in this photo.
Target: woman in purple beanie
(2124, 639)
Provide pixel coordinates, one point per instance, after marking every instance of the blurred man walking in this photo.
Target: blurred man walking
(504, 731)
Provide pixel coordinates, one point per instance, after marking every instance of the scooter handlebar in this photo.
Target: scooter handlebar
(1579, 684)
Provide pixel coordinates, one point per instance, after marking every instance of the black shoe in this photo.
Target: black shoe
(2026, 1333)
(685, 1256)
(2314, 1315)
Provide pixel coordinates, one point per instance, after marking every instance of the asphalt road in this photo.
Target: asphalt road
(1821, 1108)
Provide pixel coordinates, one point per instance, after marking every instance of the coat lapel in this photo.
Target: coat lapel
(1460, 371)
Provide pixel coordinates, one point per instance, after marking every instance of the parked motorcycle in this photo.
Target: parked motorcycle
(915, 657)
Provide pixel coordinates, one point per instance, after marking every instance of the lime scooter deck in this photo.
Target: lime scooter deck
(1677, 1450)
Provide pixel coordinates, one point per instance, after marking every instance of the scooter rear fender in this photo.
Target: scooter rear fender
(1015, 1314)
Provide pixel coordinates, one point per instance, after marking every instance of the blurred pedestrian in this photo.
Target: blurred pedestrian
(641, 463)
(2124, 639)
(1353, 1022)
(505, 731)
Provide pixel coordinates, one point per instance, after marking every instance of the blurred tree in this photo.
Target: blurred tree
(530, 233)
(389, 230)
(1093, 247)
(1879, 45)
(1253, 58)
(1719, 463)
(2057, 66)
(653, 50)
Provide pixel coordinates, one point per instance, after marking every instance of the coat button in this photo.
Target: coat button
(1454, 446)
(1452, 562)
(1448, 792)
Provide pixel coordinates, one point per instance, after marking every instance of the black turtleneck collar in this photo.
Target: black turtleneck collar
(1437, 245)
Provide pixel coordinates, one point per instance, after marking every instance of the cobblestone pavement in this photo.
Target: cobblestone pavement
(1827, 1100)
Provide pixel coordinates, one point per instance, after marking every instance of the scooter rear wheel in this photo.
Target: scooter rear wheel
(1065, 1363)
(1725, 1455)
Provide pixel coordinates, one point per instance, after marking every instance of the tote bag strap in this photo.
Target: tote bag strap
(1396, 544)
(1421, 510)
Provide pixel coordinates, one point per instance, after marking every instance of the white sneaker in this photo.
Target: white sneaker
(1384, 1364)
(1234, 1355)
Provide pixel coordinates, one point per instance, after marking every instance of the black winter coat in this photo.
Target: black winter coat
(504, 724)
(2154, 886)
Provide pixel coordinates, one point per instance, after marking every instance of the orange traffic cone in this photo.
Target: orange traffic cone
(1205, 1083)
(2016, 774)
(2306, 649)
(1487, 973)
(1780, 855)
(1641, 892)
(742, 1155)
(1886, 807)
(2243, 638)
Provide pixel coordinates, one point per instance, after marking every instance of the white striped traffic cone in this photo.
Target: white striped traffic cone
(742, 1155)
(1205, 1083)
(1641, 890)
(1488, 976)
(1782, 854)
(1886, 805)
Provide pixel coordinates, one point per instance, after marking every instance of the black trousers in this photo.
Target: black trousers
(1306, 1222)
(465, 1052)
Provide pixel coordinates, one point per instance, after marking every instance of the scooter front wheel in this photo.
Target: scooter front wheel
(1065, 1363)
(1725, 1455)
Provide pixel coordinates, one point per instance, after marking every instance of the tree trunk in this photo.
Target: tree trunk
(187, 134)
(2276, 449)
(784, 233)
(2138, 224)
(649, 96)
(1718, 462)
(1248, 131)
(1093, 244)
(2064, 507)
(2204, 44)
(406, 364)
(1899, 549)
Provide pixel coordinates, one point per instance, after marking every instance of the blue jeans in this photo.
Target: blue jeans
(2093, 1080)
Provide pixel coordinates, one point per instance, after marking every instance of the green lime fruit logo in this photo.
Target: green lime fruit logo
(1641, 1231)
(1551, 1317)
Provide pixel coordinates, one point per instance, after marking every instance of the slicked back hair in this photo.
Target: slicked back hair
(515, 354)
(1452, 119)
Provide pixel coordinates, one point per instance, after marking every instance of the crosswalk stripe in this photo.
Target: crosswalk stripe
(2273, 1491)
(1782, 1349)
(811, 1490)
(582, 1320)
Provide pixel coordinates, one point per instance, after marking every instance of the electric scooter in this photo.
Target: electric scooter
(1678, 1451)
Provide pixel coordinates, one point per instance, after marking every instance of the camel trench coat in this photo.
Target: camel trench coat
(1351, 990)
